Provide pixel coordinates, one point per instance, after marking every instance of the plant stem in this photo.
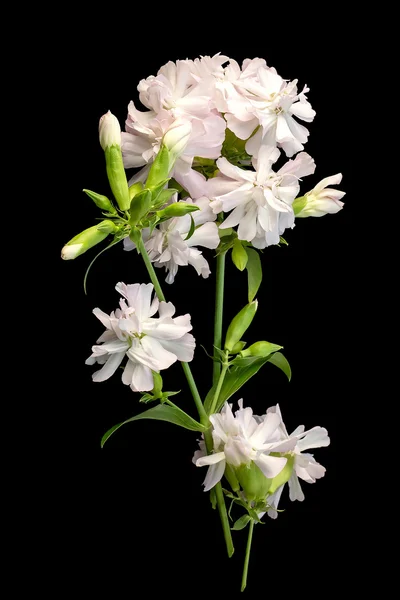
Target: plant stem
(186, 368)
(247, 557)
(218, 389)
(196, 396)
(219, 307)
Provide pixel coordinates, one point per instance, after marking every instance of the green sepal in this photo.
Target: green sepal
(213, 498)
(298, 204)
(231, 478)
(159, 170)
(163, 197)
(283, 241)
(253, 481)
(117, 177)
(158, 384)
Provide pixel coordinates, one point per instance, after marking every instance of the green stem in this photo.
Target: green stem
(247, 557)
(186, 368)
(219, 307)
(224, 519)
(218, 389)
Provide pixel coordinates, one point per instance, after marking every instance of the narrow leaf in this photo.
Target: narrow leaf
(241, 523)
(192, 228)
(161, 412)
(254, 272)
(281, 362)
(239, 255)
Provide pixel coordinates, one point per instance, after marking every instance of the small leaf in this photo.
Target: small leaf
(241, 523)
(254, 272)
(281, 362)
(192, 228)
(161, 412)
(283, 241)
(233, 381)
(239, 255)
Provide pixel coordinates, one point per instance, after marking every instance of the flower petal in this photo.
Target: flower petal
(109, 368)
(295, 491)
(214, 475)
(210, 459)
(270, 465)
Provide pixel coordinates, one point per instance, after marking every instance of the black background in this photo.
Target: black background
(133, 513)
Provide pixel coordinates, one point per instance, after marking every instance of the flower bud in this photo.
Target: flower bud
(240, 324)
(176, 139)
(110, 140)
(321, 200)
(140, 206)
(101, 201)
(87, 239)
(239, 255)
(134, 189)
(177, 209)
(109, 131)
(261, 349)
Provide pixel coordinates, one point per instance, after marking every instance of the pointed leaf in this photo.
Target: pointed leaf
(254, 272)
(282, 363)
(192, 228)
(241, 523)
(239, 255)
(161, 412)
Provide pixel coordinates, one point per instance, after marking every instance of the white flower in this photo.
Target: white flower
(177, 137)
(109, 131)
(323, 200)
(145, 132)
(150, 343)
(176, 90)
(240, 439)
(305, 466)
(167, 245)
(261, 200)
(273, 105)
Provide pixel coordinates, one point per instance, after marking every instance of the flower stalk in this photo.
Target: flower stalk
(219, 310)
(247, 556)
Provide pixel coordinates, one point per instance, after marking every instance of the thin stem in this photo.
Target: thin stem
(150, 270)
(186, 368)
(247, 557)
(224, 519)
(218, 389)
(195, 393)
(219, 307)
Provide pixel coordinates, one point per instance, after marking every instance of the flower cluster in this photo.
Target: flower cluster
(243, 442)
(150, 343)
(230, 124)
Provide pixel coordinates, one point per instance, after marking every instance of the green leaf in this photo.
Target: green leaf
(241, 523)
(283, 241)
(240, 324)
(234, 380)
(161, 412)
(239, 255)
(192, 228)
(281, 362)
(254, 272)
